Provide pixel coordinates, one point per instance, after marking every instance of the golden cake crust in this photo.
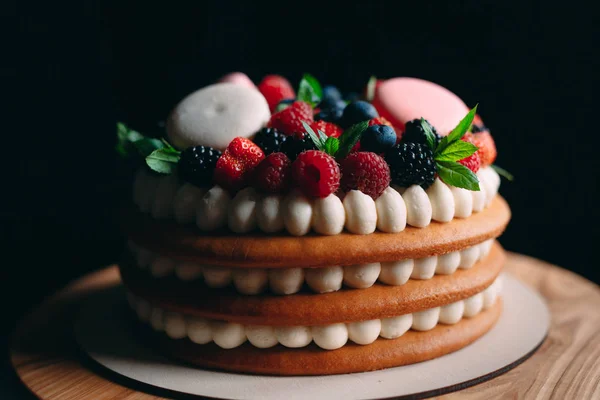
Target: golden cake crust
(410, 348)
(261, 250)
(346, 305)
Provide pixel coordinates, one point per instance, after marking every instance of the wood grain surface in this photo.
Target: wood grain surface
(567, 365)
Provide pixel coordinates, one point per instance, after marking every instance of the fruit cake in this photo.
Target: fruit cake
(285, 232)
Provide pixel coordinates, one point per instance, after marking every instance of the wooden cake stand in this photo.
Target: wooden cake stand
(46, 358)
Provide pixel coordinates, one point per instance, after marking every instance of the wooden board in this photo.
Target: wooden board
(567, 366)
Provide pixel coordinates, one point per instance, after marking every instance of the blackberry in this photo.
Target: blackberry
(294, 146)
(413, 132)
(411, 164)
(197, 164)
(269, 140)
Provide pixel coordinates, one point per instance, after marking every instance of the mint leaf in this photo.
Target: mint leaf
(503, 172)
(309, 90)
(313, 136)
(459, 131)
(429, 135)
(145, 146)
(332, 145)
(455, 174)
(456, 151)
(322, 136)
(350, 137)
(163, 161)
(125, 137)
(371, 88)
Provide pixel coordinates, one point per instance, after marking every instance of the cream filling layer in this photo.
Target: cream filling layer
(321, 280)
(229, 335)
(165, 197)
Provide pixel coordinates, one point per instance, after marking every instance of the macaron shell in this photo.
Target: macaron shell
(238, 78)
(403, 99)
(214, 115)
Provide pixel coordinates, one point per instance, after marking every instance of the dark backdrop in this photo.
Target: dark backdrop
(71, 70)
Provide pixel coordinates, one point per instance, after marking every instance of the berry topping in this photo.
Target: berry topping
(411, 164)
(272, 175)
(328, 128)
(414, 133)
(331, 96)
(269, 140)
(331, 113)
(472, 162)
(380, 121)
(283, 104)
(487, 147)
(356, 112)
(365, 171)
(294, 146)
(316, 173)
(378, 138)
(289, 120)
(276, 88)
(197, 164)
(234, 166)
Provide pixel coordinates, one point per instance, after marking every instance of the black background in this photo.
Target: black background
(71, 70)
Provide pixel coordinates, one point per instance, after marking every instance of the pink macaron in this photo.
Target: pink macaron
(403, 99)
(238, 78)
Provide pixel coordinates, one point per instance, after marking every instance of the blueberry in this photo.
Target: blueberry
(333, 113)
(356, 112)
(331, 95)
(378, 138)
(352, 96)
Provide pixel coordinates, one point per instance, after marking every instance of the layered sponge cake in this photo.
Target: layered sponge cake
(286, 232)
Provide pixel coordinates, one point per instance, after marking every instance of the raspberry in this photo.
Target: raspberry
(487, 148)
(329, 129)
(276, 88)
(411, 164)
(472, 162)
(380, 121)
(365, 171)
(289, 120)
(197, 165)
(234, 166)
(272, 175)
(269, 140)
(316, 173)
(294, 146)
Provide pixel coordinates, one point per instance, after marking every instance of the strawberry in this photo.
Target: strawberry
(235, 164)
(276, 88)
(365, 171)
(328, 128)
(316, 173)
(487, 147)
(289, 120)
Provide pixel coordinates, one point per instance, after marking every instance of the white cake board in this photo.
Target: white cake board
(105, 332)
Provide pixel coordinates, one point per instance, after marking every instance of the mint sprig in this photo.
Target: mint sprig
(504, 173)
(458, 175)
(337, 147)
(130, 142)
(450, 150)
(371, 89)
(309, 90)
(163, 161)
